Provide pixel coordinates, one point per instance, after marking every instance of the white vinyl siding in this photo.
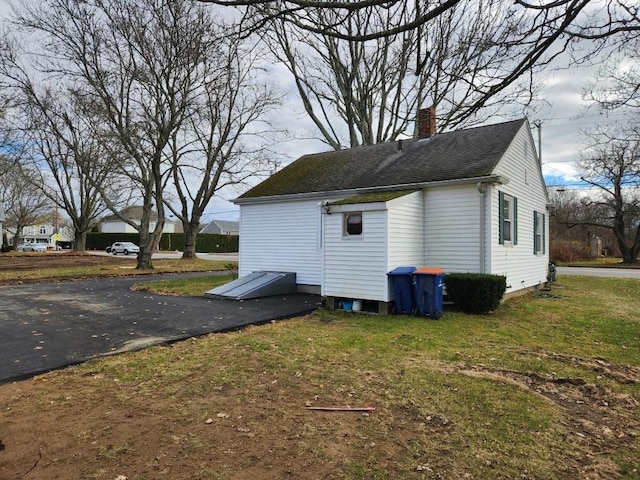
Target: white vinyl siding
(392, 236)
(118, 226)
(355, 266)
(281, 237)
(518, 263)
(406, 231)
(452, 228)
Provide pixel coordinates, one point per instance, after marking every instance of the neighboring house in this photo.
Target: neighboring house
(222, 227)
(43, 233)
(467, 201)
(113, 224)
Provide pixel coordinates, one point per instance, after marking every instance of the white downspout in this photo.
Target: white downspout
(480, 186)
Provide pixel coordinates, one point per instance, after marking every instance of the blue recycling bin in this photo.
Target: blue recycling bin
(428, 291)
(401, 279)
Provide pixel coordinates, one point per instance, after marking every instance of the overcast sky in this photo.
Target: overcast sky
(561, 120)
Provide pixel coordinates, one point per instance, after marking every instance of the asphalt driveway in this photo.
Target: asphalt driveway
(47, 326)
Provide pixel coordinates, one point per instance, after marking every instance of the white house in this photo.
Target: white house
(113, 223)
(41, 233)
(471, 200)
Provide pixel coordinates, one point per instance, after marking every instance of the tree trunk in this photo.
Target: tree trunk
(17, 239)
(629, 254)
(80, 241)
(144, 259)
(149, 242)
(190, 236)
(146, 251)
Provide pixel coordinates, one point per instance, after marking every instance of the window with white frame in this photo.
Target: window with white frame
(539, 228)
(43, 229)
(508, 219)
(352, 224)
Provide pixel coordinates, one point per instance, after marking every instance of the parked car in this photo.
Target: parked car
(31, 247)
(124, 247)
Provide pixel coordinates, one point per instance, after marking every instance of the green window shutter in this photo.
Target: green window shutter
(515, 221)
(500, 217)
(535, 230)
(543, 233)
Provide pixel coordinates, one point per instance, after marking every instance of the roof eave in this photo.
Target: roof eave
(492, 179)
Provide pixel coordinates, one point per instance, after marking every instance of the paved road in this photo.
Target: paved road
(600, 272)
(47, 326)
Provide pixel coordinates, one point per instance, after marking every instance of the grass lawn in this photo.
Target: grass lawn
(193, 287)
(548, 387)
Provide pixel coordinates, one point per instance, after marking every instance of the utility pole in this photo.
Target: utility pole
(538, 124)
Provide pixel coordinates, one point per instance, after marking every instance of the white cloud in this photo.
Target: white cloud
(562, 119)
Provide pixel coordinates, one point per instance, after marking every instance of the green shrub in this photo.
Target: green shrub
(475, 292)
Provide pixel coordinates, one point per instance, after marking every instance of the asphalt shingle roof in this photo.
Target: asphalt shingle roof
(469, 153)
(221, 224)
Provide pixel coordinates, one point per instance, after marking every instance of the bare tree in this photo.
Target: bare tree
(5, 164)
(533, 33)
(568, 241)
(220, 143)
(23, 199)
(369, 92)
(617, 83)
(353, 92)
(577, 18)
(611, 165)
(59, 143)
(138, 64)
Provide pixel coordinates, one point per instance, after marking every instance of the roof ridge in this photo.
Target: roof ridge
(466, 153)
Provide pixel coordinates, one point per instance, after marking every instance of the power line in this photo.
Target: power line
(582, 123)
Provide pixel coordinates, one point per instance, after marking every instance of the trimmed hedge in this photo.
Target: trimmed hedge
(100, 241)
(206, 242)
(475, 292)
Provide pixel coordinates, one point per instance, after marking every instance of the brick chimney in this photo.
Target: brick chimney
(427, 122)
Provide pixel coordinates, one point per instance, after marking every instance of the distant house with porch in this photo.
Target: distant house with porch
(42, 233)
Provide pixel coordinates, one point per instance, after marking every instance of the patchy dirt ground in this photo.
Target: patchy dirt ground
(55, 260)
(84, 424)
